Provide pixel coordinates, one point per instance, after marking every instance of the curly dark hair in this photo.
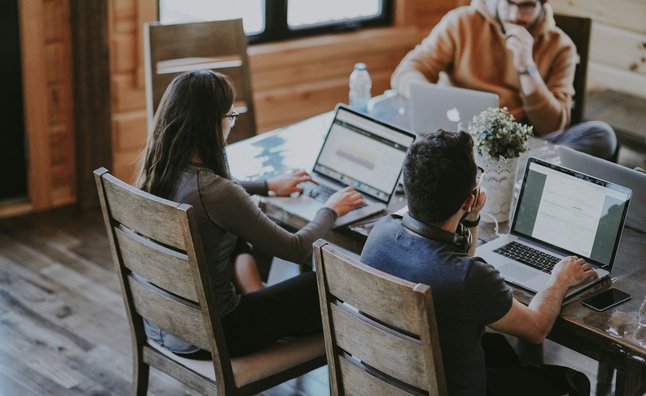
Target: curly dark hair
(439, 175)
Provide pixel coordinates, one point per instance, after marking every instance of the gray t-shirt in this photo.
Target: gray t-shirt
(468, 294)
(225, 213)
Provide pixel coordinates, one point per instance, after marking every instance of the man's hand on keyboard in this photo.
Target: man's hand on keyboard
(343, 201)
(572, 271)
(288, 184)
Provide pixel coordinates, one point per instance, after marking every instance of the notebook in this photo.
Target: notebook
(434, 107)
(360, 151)
(636, 181)
(560, 212)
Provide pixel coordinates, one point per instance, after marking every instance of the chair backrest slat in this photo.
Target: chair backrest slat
(380, 331)
(159, 265)
(350, 283)
(143, 213)
(198, 63)
(357, 381)
(170, 313)
(163, 80)
(357, 335)
(198, 41)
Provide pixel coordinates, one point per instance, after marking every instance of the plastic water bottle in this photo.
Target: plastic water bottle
(640, 334)
(360, 84)
(642, 315)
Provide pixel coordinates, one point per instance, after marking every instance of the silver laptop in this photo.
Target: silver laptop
(636, 181)
(560, 212)
(434, 107)
(358, 151)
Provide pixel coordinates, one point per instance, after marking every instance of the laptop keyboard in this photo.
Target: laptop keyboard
(530, 256)
(321, 193)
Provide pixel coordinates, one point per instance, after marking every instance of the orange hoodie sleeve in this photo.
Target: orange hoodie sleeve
(425, 62)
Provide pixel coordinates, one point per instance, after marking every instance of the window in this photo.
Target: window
(269, 20)
(251, 11)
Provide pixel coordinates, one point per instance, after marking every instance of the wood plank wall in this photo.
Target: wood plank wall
(58, 73)
(291, 80)
(127, 81)
(618, 42)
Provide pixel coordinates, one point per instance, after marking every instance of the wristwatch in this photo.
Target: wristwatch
(470, 224)
(530, 71)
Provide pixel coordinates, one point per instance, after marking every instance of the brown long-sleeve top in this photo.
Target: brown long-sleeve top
(226, 212)
(469, 45)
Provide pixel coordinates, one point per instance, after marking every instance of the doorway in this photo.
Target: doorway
(13, 155)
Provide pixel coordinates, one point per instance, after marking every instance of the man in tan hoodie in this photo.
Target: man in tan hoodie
(514, 49)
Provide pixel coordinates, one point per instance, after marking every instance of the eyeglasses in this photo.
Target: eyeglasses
(233, 116)
(526, 7)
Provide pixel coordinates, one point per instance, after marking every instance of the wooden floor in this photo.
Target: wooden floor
(63, 327)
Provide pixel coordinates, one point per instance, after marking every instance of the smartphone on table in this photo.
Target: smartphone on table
(607, 299)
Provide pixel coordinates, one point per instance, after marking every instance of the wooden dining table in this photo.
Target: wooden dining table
(611, 337)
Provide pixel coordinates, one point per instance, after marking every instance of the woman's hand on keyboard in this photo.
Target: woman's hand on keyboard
(288, 184)
(343, 201)
(573, 270)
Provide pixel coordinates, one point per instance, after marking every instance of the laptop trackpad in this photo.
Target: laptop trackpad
(517, 273)
(304, 207)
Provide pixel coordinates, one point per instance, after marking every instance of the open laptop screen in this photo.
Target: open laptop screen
(571, 211)
(364, 153)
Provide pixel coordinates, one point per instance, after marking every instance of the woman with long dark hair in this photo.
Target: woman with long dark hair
(185, 161)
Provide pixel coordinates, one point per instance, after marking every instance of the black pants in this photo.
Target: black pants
(288, 308)
(506, 375)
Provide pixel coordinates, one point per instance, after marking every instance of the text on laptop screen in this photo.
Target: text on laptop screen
(364, 154)
(572, 211)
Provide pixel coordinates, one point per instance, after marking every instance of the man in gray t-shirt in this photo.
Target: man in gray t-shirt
(431, 244)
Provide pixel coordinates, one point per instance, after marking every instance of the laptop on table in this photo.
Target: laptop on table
(434, 107)
(560, 212)
(636, 181)
(358, 151)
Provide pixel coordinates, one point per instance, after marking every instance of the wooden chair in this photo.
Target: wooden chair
(380, 332)
(578, 28)
(164, 278)
(217, 45)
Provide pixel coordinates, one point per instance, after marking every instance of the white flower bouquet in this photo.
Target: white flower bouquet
(497, 135)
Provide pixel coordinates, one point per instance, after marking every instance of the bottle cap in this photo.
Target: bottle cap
(360, 66)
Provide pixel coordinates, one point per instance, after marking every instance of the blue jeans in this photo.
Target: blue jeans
(592, 137)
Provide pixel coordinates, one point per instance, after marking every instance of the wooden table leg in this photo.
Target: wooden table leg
(605, 371)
